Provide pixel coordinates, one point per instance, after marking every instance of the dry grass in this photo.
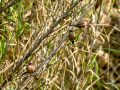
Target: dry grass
(37, 32)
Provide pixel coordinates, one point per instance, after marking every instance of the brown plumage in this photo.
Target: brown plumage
(81, 24)
(30, 69)
(72, 36)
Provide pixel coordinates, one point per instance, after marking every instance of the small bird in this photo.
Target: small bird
(30, 69)
(81, 24)
(72, 36)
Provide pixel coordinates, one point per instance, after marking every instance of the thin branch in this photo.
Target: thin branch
(41, 39)
(52, 54)
(11, 4)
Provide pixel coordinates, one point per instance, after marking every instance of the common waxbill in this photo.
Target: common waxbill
(81, 24)
(30, 69)
(72, 36)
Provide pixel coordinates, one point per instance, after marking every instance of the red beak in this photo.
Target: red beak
(87, 21)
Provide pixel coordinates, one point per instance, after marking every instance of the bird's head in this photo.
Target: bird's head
(70, 30)
(29, 64)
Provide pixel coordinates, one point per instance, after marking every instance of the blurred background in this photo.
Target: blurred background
(92, 63)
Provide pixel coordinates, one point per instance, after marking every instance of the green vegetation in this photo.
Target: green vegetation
(37, 32)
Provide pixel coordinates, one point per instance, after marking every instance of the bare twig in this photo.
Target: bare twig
(5, 69)
(11, 4)
(40, 40)
(51, 55)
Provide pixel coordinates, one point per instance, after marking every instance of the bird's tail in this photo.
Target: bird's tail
(24, 73)
(72, 25)
(72, 42)
(76, 26)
